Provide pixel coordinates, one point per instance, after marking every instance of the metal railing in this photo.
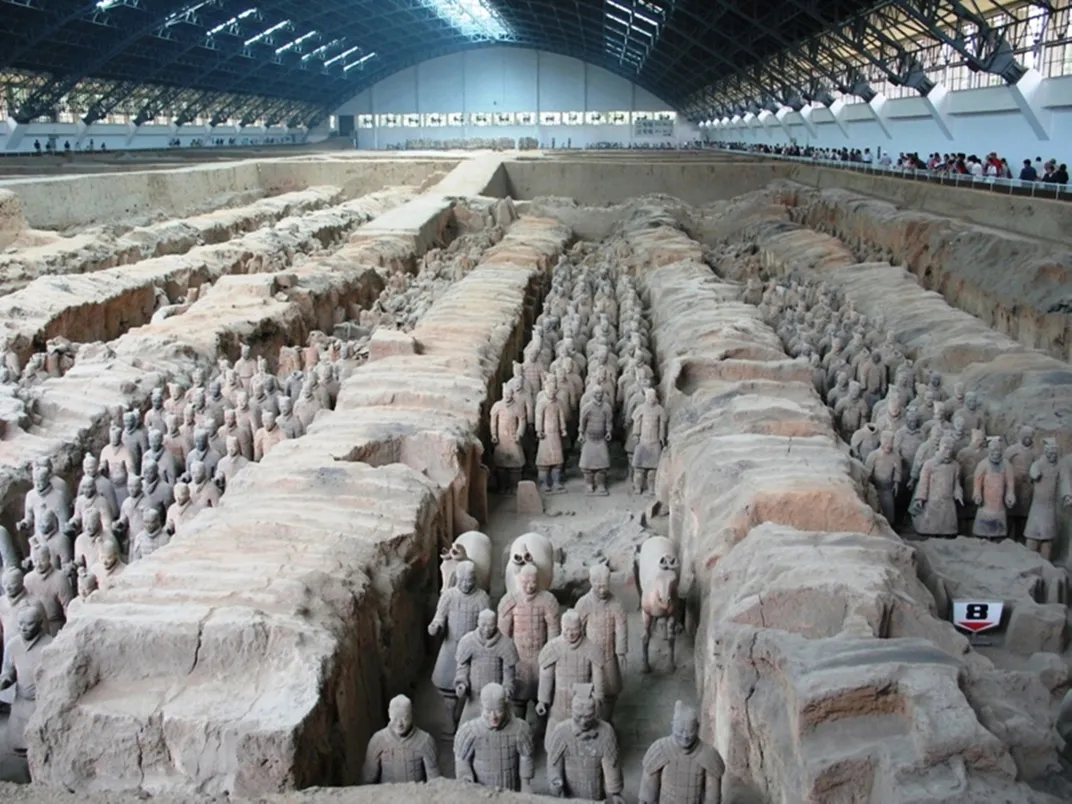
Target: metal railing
(993, 184)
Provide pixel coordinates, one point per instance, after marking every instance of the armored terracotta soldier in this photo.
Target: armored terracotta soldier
(485, 656)
(838, 388)
(866, 440)
(400, 752)
(595, 430)
(245, 367)
(13, 596)
(507, 431)
(182, 510)
(199, 403)
(175, 401)
(48, 493)
(231, 387)
(649, 429)
(604, 622)
(215, 402)
(230, 464)
(134, 436)
(566, 660)
(22, 657)
(89, 499)
(495, 749)
(154, 416)
(973, 414)
(680, 769)
(105, 495)
(197, 384)
(852, 409)
(267, 437)
(927, 450)
(530, 617)
(1041, 529)
(87, 545)
(202, 452)
(873, 377)
(883, 467)
(969, 458)
(50, 587)
(891, 417)
(117, 462)
(906, 441)
(232, 429)
(247, 417)
(582, 754)
(163, 456)
(550, 430)
(1020, 456)
(307, 405)
(934, 511)
(204, 493)
(154, 487)
(287, 421)
(175, 442)
(151, 539)
(47, 532)
(456, 615)
(109, 567)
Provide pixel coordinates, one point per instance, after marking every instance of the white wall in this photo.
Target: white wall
(15, 138)
(980, 120)
(506, 79)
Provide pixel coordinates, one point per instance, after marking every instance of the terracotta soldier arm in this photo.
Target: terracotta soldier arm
(370, 773)
(977, 482)
(552, 617)
(509, 678)
(463, 660)
(493, 424)
(556, 763)
(441, 613)
(621, 633)
(506, 617)
(713, 772)
(526, 759)
(923, 487)
(7, 670)
(464, 749)
(64, 592)
(650, 786)
(546, 693)
(9, 553)
(429, 759)
(521, 425)
(612, 766)
(598, 690)
(1010, 486)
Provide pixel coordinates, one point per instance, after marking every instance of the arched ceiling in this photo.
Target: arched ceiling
(310, 55)
(296, 60)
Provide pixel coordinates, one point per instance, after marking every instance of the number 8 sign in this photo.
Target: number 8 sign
(976, 616)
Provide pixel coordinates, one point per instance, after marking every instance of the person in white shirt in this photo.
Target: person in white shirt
(975, 167)
(885, 160)
(867, 156)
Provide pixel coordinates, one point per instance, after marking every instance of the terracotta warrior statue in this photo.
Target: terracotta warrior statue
(564, 661)
(117, 462)
(884, 467)
(507, 431)
(47, 532)
(182, 510)
(550, 430)
(680, 769)
(649, 428)
(232, 429)
(604, 623)
(582, 753)
(1020, 456)
(267, 437)
(109, 567)
(934, 512)
(134, 436)
(456, 615)
(972, 412)
(495, 749)
(151, 538)
(400, 752)
(245, 367)
(105, 497)
(22, 657)
(50, 587)
(48, 493)
(161, 453)
(530, 617)
(230, 464)
(154, 416)
(596, 428)
(175, 443)
(202, 452)
(485, 656)
(1041, 528)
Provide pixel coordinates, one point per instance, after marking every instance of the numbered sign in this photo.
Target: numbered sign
(977, 616)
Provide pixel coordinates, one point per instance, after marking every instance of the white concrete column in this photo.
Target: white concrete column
(937, 102)
(806, 115)
(878, 110)
(837, 111)
(1030, 94)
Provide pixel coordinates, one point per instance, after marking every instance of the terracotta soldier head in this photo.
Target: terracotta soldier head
(583, 707)
(134, 486)
(1027, 435)
(115, 434)
(685, 727)
(268, 420)
(152, 522)
(946, 449)
(994, 450)
(31, 620)
(130, 421)
(1049, 449)
(528, 581)
(465, 576)
(87, 488)
(487, 624)
(599, 579)
(182, 493)
(90, 468)
(493, 706)
(400, 716)
(109, 554)
(971, 401)
(42, 559)
(572, 629)
(232, 444)
(286, 406)
(198, 473)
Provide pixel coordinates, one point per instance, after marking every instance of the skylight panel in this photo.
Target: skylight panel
(642, 22)
(277, 27)
(359, 62)
(475, 19)
(321, 50)
(341, 56)
(247, 13)
(293, 44)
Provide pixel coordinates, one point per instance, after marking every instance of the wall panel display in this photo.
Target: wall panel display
(573, 118)
(653, 128)
(435, 120)
(504, 118)
(618, 118)
(366, 121)
(595, 118)
(550, 118)
(456, 119)
(411, 120)
(389, 120)
(480, 119)
(526, 118)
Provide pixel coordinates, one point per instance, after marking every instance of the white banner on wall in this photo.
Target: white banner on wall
(653, 128)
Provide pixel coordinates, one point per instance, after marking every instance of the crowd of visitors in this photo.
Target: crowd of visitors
(992, 166)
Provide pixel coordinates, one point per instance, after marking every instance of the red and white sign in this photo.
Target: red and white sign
(977, 615)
